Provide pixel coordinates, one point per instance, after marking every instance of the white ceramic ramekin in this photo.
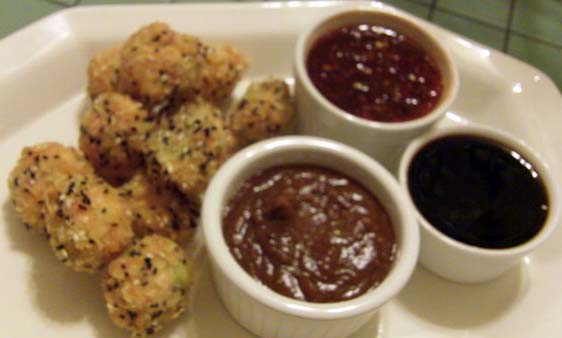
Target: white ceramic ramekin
(382, 140)
(267, 313)
(465, 263)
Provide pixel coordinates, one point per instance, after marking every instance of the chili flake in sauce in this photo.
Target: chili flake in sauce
(375, 73)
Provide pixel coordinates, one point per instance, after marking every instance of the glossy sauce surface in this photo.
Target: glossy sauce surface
(374, 73)
(478, 192)
(310, 233)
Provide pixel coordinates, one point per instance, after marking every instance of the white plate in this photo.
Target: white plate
(42, 82)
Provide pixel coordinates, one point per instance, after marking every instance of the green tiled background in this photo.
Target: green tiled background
(530, 30)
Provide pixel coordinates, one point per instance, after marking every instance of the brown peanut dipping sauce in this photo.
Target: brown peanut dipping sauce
(310, 233)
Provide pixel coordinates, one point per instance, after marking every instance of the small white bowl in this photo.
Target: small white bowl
(382, 140)
(464, 263)
(267, 313)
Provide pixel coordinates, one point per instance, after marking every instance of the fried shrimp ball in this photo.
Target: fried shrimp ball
(40, 169)
(156, 34)
(222, 68)
(103, 71)
(88, 223)
(146, 287)
(157, 209)
(188, 148)
(111, 136)
(266, 110)
(158, 64)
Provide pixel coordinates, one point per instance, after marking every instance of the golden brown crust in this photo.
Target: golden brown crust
(103, 71)
(88, 223)
(159, 64)
(40, 170)
(187, 148)
(222, 68)
(266, 110)
(112, 136)
(147, 286)
(158, 209)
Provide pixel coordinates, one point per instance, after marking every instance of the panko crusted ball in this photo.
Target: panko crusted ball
(222, 68)
(40, 170)
(88, 223)
(158, 209)
(147, 286)
(188, 147)
(112, 135)
(159, 64)
(266, 110)
(155, 34)
(103, 71)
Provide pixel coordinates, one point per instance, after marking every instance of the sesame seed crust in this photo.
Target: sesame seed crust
(88, 223)
(111, 136)
(158, 64)
(34, 180)
(147, 286)
(266, 110)
(103, 71)
(222, 68)
(188, 147)
(158, 209)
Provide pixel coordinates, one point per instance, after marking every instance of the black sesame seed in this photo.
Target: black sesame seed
(148, 263)
(156, 314)
(85, 198)
(70, 188)
(134, 253)
(132, 315)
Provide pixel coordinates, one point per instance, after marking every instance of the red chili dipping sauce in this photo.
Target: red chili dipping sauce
(375, 73)
(310, 233)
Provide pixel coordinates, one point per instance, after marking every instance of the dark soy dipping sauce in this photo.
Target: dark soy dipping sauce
(310, 233)
(374, 73)
(477, 192)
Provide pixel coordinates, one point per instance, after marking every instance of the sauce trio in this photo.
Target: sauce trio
(478, 192)
(310, 233)
(374, 73)
(313, 234)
